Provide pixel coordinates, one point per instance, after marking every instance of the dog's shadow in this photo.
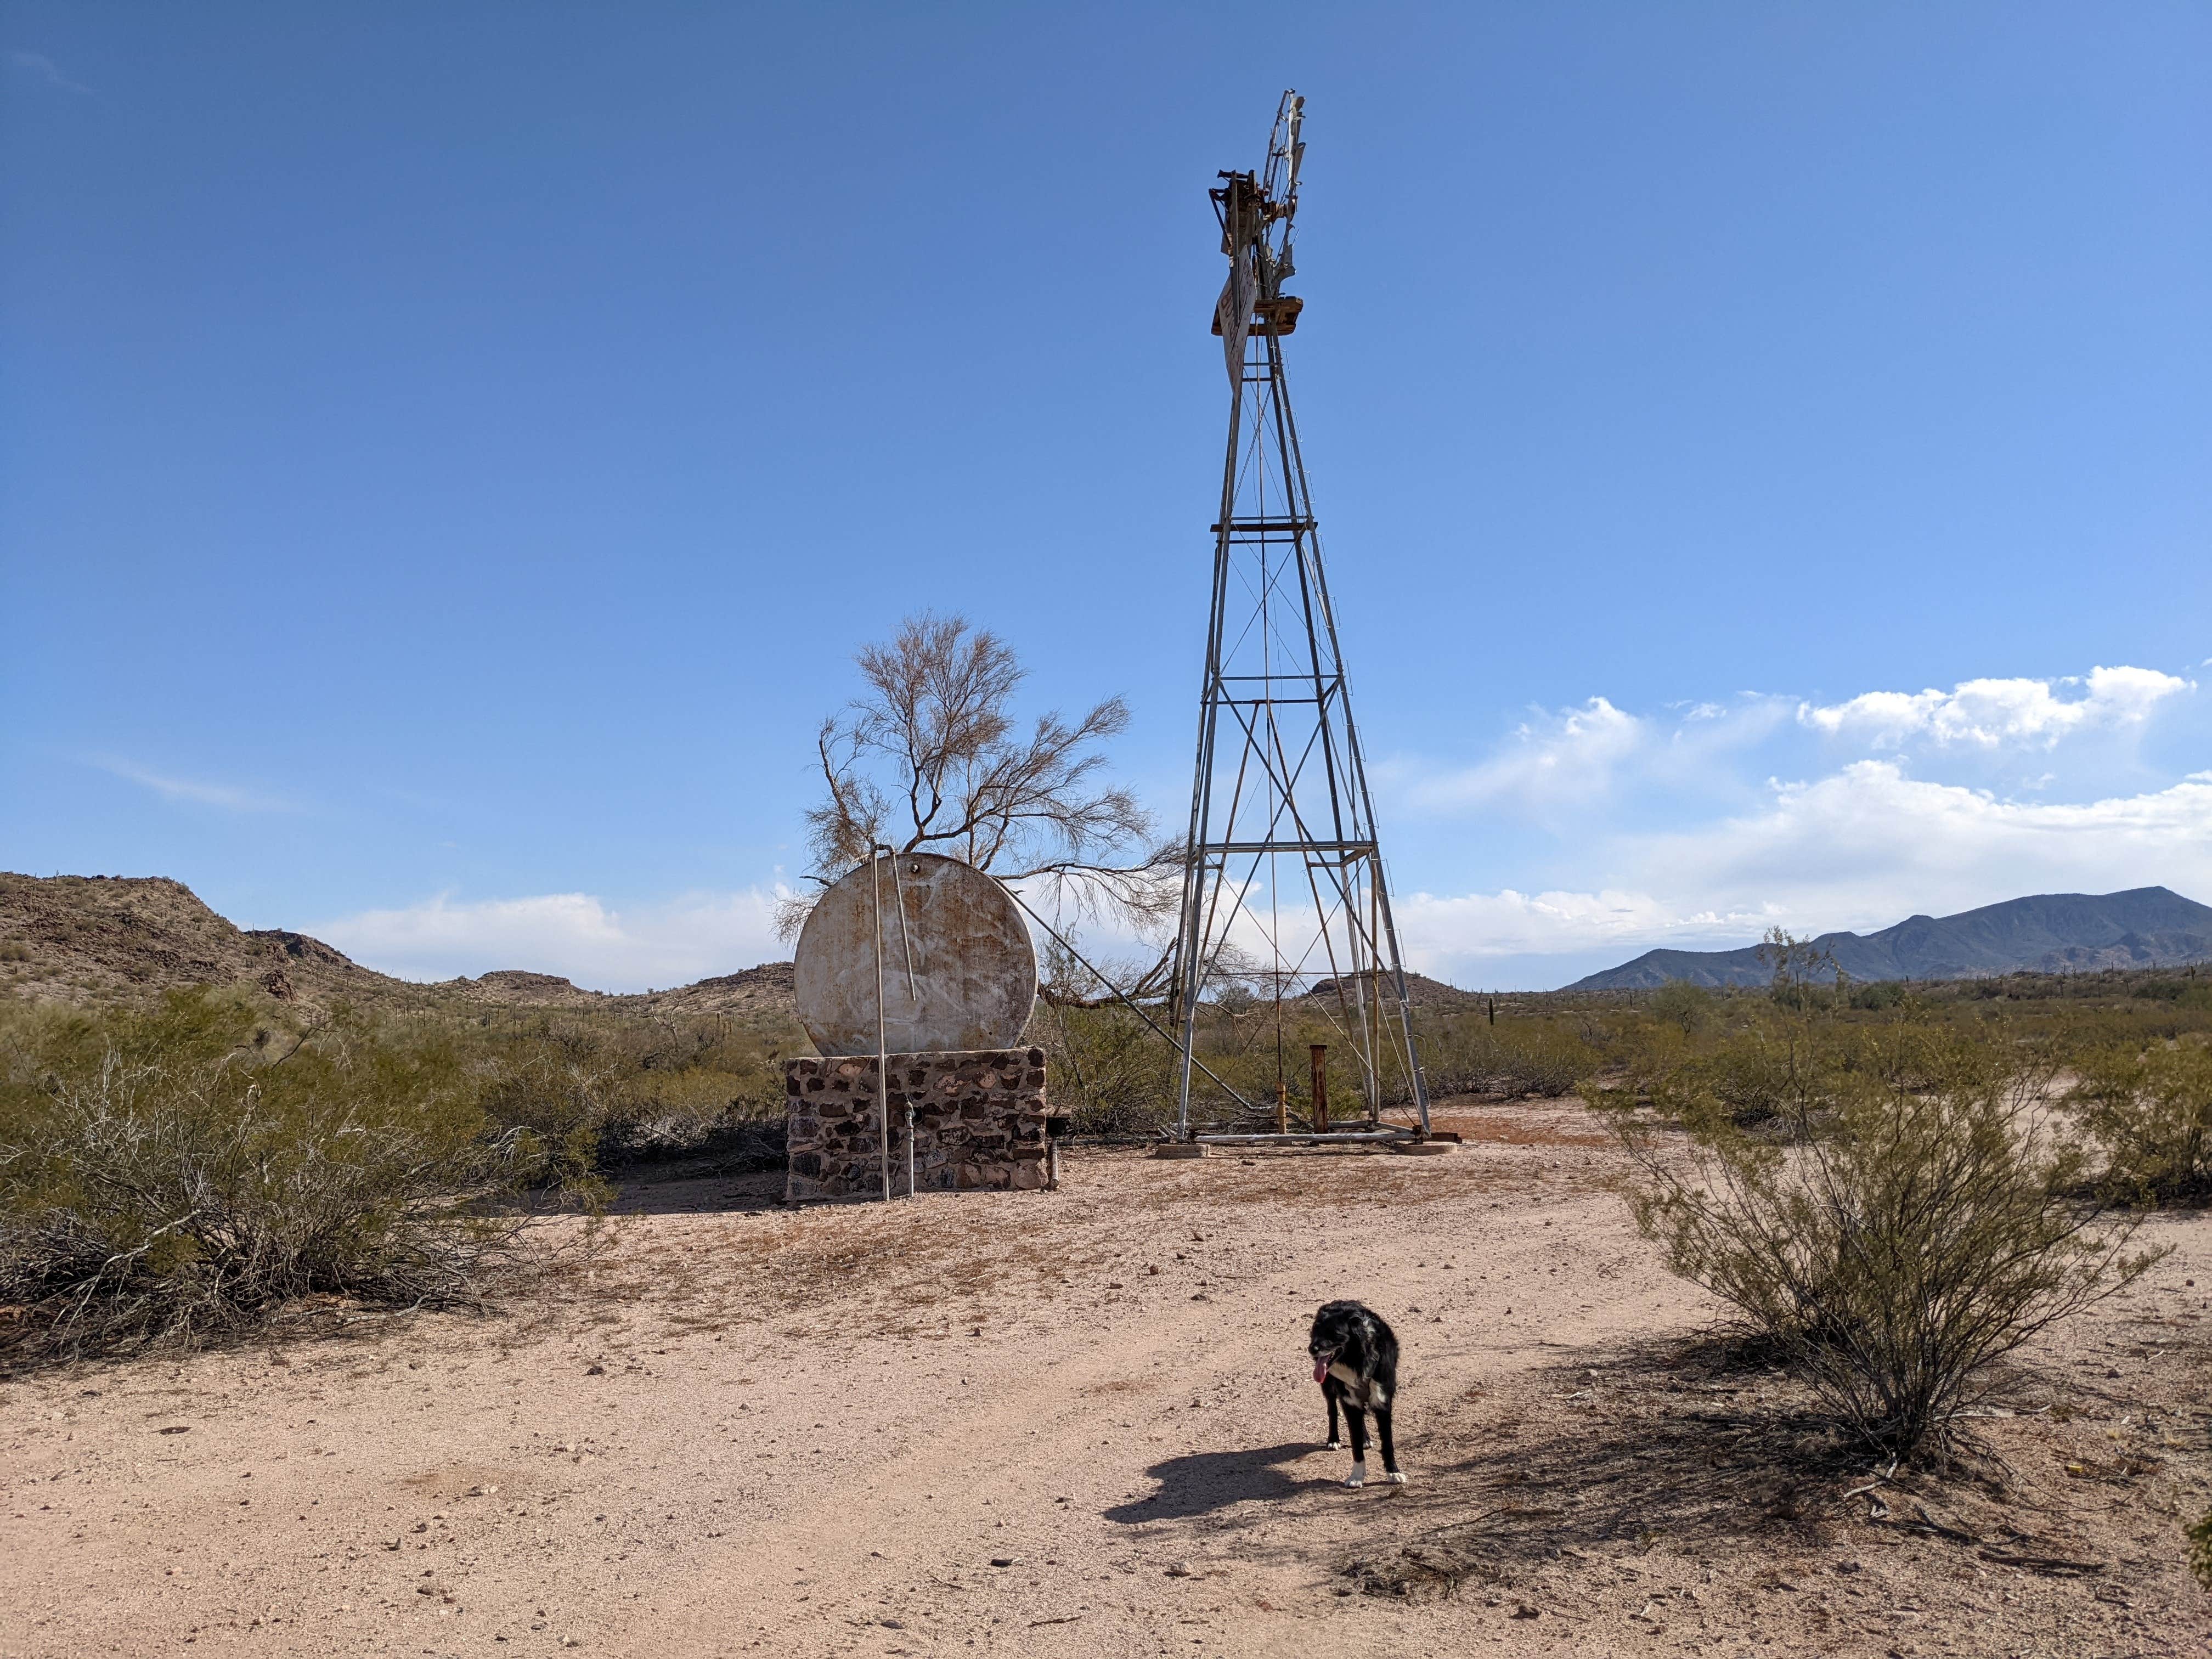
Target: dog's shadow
(1205, 1481)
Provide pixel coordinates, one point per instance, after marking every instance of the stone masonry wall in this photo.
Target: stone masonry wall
(978, 1121)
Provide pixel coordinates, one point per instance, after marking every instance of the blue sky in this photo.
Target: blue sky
(448, 453)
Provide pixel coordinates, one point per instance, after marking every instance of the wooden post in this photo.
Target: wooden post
(1282, 1108)
(1320, 1088)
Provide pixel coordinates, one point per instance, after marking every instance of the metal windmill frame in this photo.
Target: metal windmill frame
(1282, 788)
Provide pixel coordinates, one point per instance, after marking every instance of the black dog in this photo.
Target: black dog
(1355, 1358)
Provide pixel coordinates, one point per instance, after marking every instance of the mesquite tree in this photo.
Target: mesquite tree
(930, 757)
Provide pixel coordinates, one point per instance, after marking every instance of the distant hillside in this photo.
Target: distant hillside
(2050, 932)
(1421, 991)
(84, 938)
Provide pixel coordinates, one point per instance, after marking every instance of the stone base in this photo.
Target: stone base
(978, 1123)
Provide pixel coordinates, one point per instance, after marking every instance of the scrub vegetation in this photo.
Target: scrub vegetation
(195, 1166)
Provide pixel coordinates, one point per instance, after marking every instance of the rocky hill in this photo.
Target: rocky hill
(85, 939)
(2047, 933)
(1421, 991)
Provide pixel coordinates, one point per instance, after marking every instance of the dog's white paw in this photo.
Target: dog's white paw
(1396, 1477)
(1357, 1478)
(1334, 1445)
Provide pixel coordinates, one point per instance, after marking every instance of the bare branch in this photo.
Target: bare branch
(935, 725)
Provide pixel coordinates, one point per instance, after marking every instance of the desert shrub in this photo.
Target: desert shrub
(597, 1092)
(1542, 1060)
(1930, 1223)
(1110, 1072)
(1685, 1007)
(560, 1090)
(2200, 1550)
(1468, 1055)
(741, 1143)
(2151, 1112)
(1778, 1079)
(184, 1170)
(1462, 1056)
(1881, 996)
(1760, 1079)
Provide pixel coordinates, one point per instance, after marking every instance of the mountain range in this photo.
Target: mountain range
(2045, 932)
(85, 939)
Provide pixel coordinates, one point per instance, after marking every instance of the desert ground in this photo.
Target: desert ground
(1082, 1423)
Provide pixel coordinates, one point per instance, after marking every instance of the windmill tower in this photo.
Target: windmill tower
(1282, 878)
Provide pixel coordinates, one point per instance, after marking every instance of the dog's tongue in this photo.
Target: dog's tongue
(1320, 1370)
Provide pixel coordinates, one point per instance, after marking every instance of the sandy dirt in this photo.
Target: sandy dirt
(1083, 1422)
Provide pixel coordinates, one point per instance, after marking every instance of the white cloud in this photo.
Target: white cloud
(1988, 712)
(1562, 761)
(1440, 930)
(1863, 849)
(1555, 759)
(1868, 846)
(224, 795)
(573, 934)
(39, 64)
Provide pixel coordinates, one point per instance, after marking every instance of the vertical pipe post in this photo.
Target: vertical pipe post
(882, 1082)
(1320, 1087)
(914, 1000)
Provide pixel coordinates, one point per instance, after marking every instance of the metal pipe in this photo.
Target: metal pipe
(914, 1000)
(1402, 1137)
(1188, 1059)
(883, 1067)
(906, 939)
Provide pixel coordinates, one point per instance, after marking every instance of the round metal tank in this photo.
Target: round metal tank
(973, 977)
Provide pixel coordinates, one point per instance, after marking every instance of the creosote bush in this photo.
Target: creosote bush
(184, 1170)
(2151, 1109)
(600, 1091)
(1685, 1007)
(1110, 1072)
(1918, 1218)
(1467, 1055)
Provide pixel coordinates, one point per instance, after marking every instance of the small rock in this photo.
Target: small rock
(595, 1370)
(178, 1428)
(1180, 1569)
(1002, 1561)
